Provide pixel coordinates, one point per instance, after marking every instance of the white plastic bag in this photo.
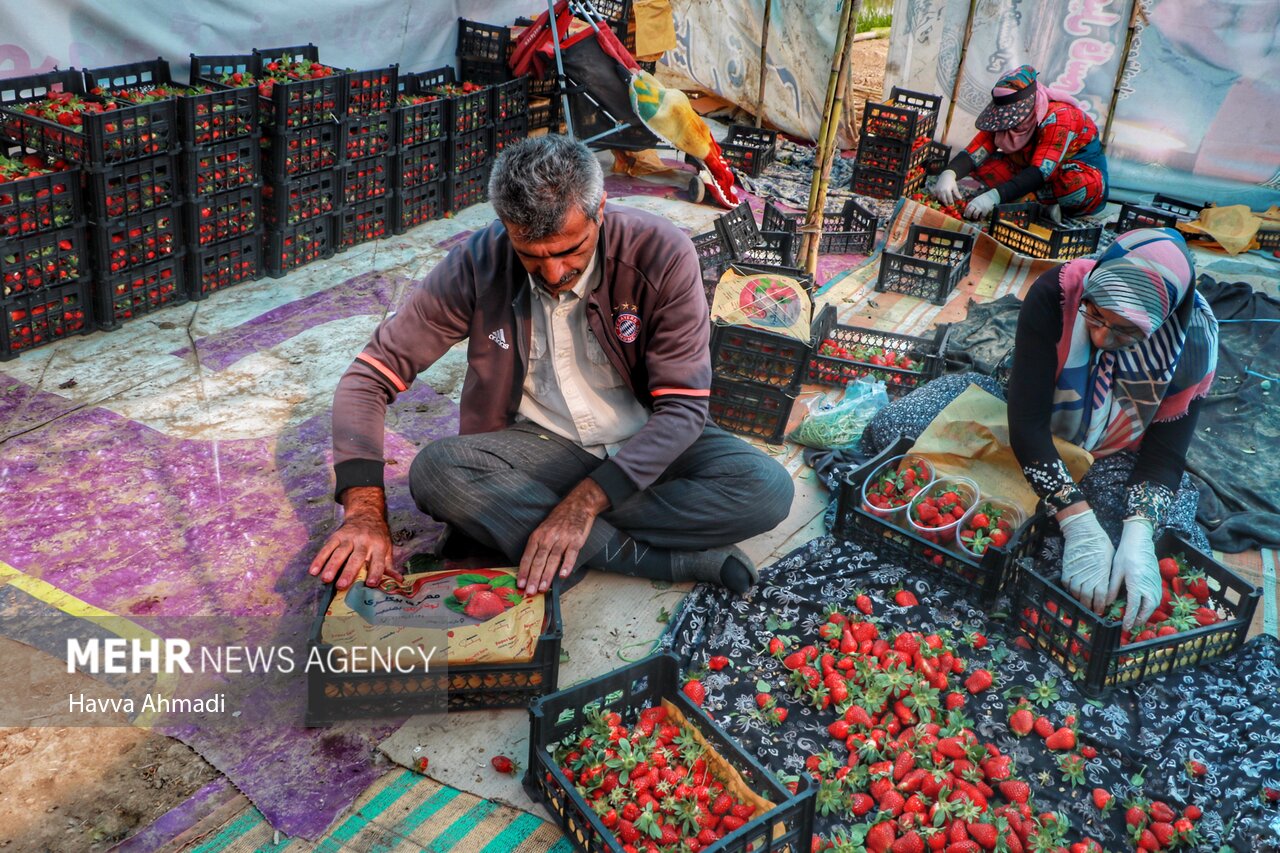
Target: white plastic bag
(837, 422)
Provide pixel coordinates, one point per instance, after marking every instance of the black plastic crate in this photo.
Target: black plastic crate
(482, 41)
(104, 139)
(984, 576)
(936, 160)
(220, 266)
(130, 242)
(888, 154)
(224, 216)
(508, 100)
(851, 231)
(292, 153)
(363, 221)
(40, 203)
(333, 696)
(484, 71)
(749, 149)
(1268, 238)
(508, 132)
(209, 169)
(40, 261)
(746, 408)
(469, 151)
(417, 123)
(806, 279)
(43, 316)
(879, 183)
(738, 229)
(416, 205)
(300, 199)
(422, 164)
(1027, 229)
(613, 11)
(298, 103)
(368, 136)
(365, 180)
(372, 93)
(760, 357)
(468, 188)
(906, 116)
(1178, 207)
(202, 119)
(1134, 216)
(295, 246)
(788, 826)
(465, 112)
(855, 346)
(775, 219)
(119, 298)
(134, 187)
(929, 266)
(713, 259)
(773, 248)
(1088, 647)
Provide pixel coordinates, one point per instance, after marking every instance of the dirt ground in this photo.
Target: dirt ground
(66, 790)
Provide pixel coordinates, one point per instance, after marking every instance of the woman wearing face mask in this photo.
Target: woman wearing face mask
(1114, 355)
(1031, 139)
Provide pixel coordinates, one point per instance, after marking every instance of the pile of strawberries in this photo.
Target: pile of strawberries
(151, 94)
(896, 487)
(32, 323)
(938, 511)
(1184, 606)
(873, 357)
(650, 785)
(955, 211)
(989, 527)
(26, 210)
(913, 766)
(67, 109)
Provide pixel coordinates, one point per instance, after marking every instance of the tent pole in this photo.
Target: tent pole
(764, 66)
(1124, 64)
(828, 132)
(955, 85)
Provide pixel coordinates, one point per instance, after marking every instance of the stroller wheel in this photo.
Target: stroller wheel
(697, 191)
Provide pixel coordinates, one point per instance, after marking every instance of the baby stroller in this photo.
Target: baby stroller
(610, 101)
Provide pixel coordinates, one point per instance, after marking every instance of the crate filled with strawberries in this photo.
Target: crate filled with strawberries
(466, 103)
(420, 114)
(37, 317)
(363, 221)
(291, 246)
(894, 144)
(295, 89)
(929, 265)
(139, 290)
(750, 409)
(902, 362)
(629, 759)
(768, 358)
(37, 195)
(1204, 613)
(906, 513)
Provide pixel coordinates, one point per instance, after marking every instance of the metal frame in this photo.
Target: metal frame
(586, 11)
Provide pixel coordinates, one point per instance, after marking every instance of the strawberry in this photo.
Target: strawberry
(1135, 817)
(707, 837)
(504, 765)
(1160, 811)
(1168, 568)
(978, 681)
(794, 661)
(902, 765)
(863, 603)
(1206, 616)
(1061, 740)
(1148, 841)
(695, 691)
(985, 834)
(776, 647)
(731, 823)
(1162, 831)
(909, 843)
(905, 598)
(779, 715)
(1196, 769)
(860, 804)
(1102, 800)
(1043, 727)
(880, 837)
(1015, 791)
(1192, 812)
(1021, 721)
(722, 805)
(627, 832)
(764, 700)
(718, 662)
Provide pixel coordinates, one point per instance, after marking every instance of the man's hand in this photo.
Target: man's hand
(362, 540)
(554, 546)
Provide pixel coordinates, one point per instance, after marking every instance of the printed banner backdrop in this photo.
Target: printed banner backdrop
(1197, 113)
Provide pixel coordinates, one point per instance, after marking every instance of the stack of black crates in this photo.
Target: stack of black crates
(46, 274)
(896, 141)
(131, 190)
(367, 204)
(215, 172)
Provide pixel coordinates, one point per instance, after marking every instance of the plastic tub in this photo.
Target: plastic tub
(897, 466)
(945, 534)
(1002, 515)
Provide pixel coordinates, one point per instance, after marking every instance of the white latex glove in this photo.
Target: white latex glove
(1137, 567)
(945, 190)
(1086, 560)
(981, 206)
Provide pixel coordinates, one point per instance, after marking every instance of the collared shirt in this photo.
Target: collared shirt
(571, 388)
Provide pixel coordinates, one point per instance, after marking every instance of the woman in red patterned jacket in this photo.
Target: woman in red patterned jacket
(1031, 139)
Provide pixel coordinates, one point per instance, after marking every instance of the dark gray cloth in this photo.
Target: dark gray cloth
(497, 487)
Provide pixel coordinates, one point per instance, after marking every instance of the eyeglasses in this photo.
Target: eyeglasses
(1121, 337)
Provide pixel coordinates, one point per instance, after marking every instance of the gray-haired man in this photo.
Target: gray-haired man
(584, 438)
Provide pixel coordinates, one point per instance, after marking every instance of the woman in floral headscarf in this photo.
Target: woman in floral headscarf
(1112, 356)
(1031, 139)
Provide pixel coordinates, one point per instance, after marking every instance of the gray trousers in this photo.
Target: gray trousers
(498, 487)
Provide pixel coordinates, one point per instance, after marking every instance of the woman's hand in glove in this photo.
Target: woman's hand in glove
(945, 190)
(1086, 560)
(1137, 568)
(981, 207)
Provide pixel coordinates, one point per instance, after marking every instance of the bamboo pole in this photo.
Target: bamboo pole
(955, 84)
(764, 62)
(1134, 16)
(828, 133)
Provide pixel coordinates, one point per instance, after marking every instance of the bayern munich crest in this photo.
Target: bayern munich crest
(627, 327)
